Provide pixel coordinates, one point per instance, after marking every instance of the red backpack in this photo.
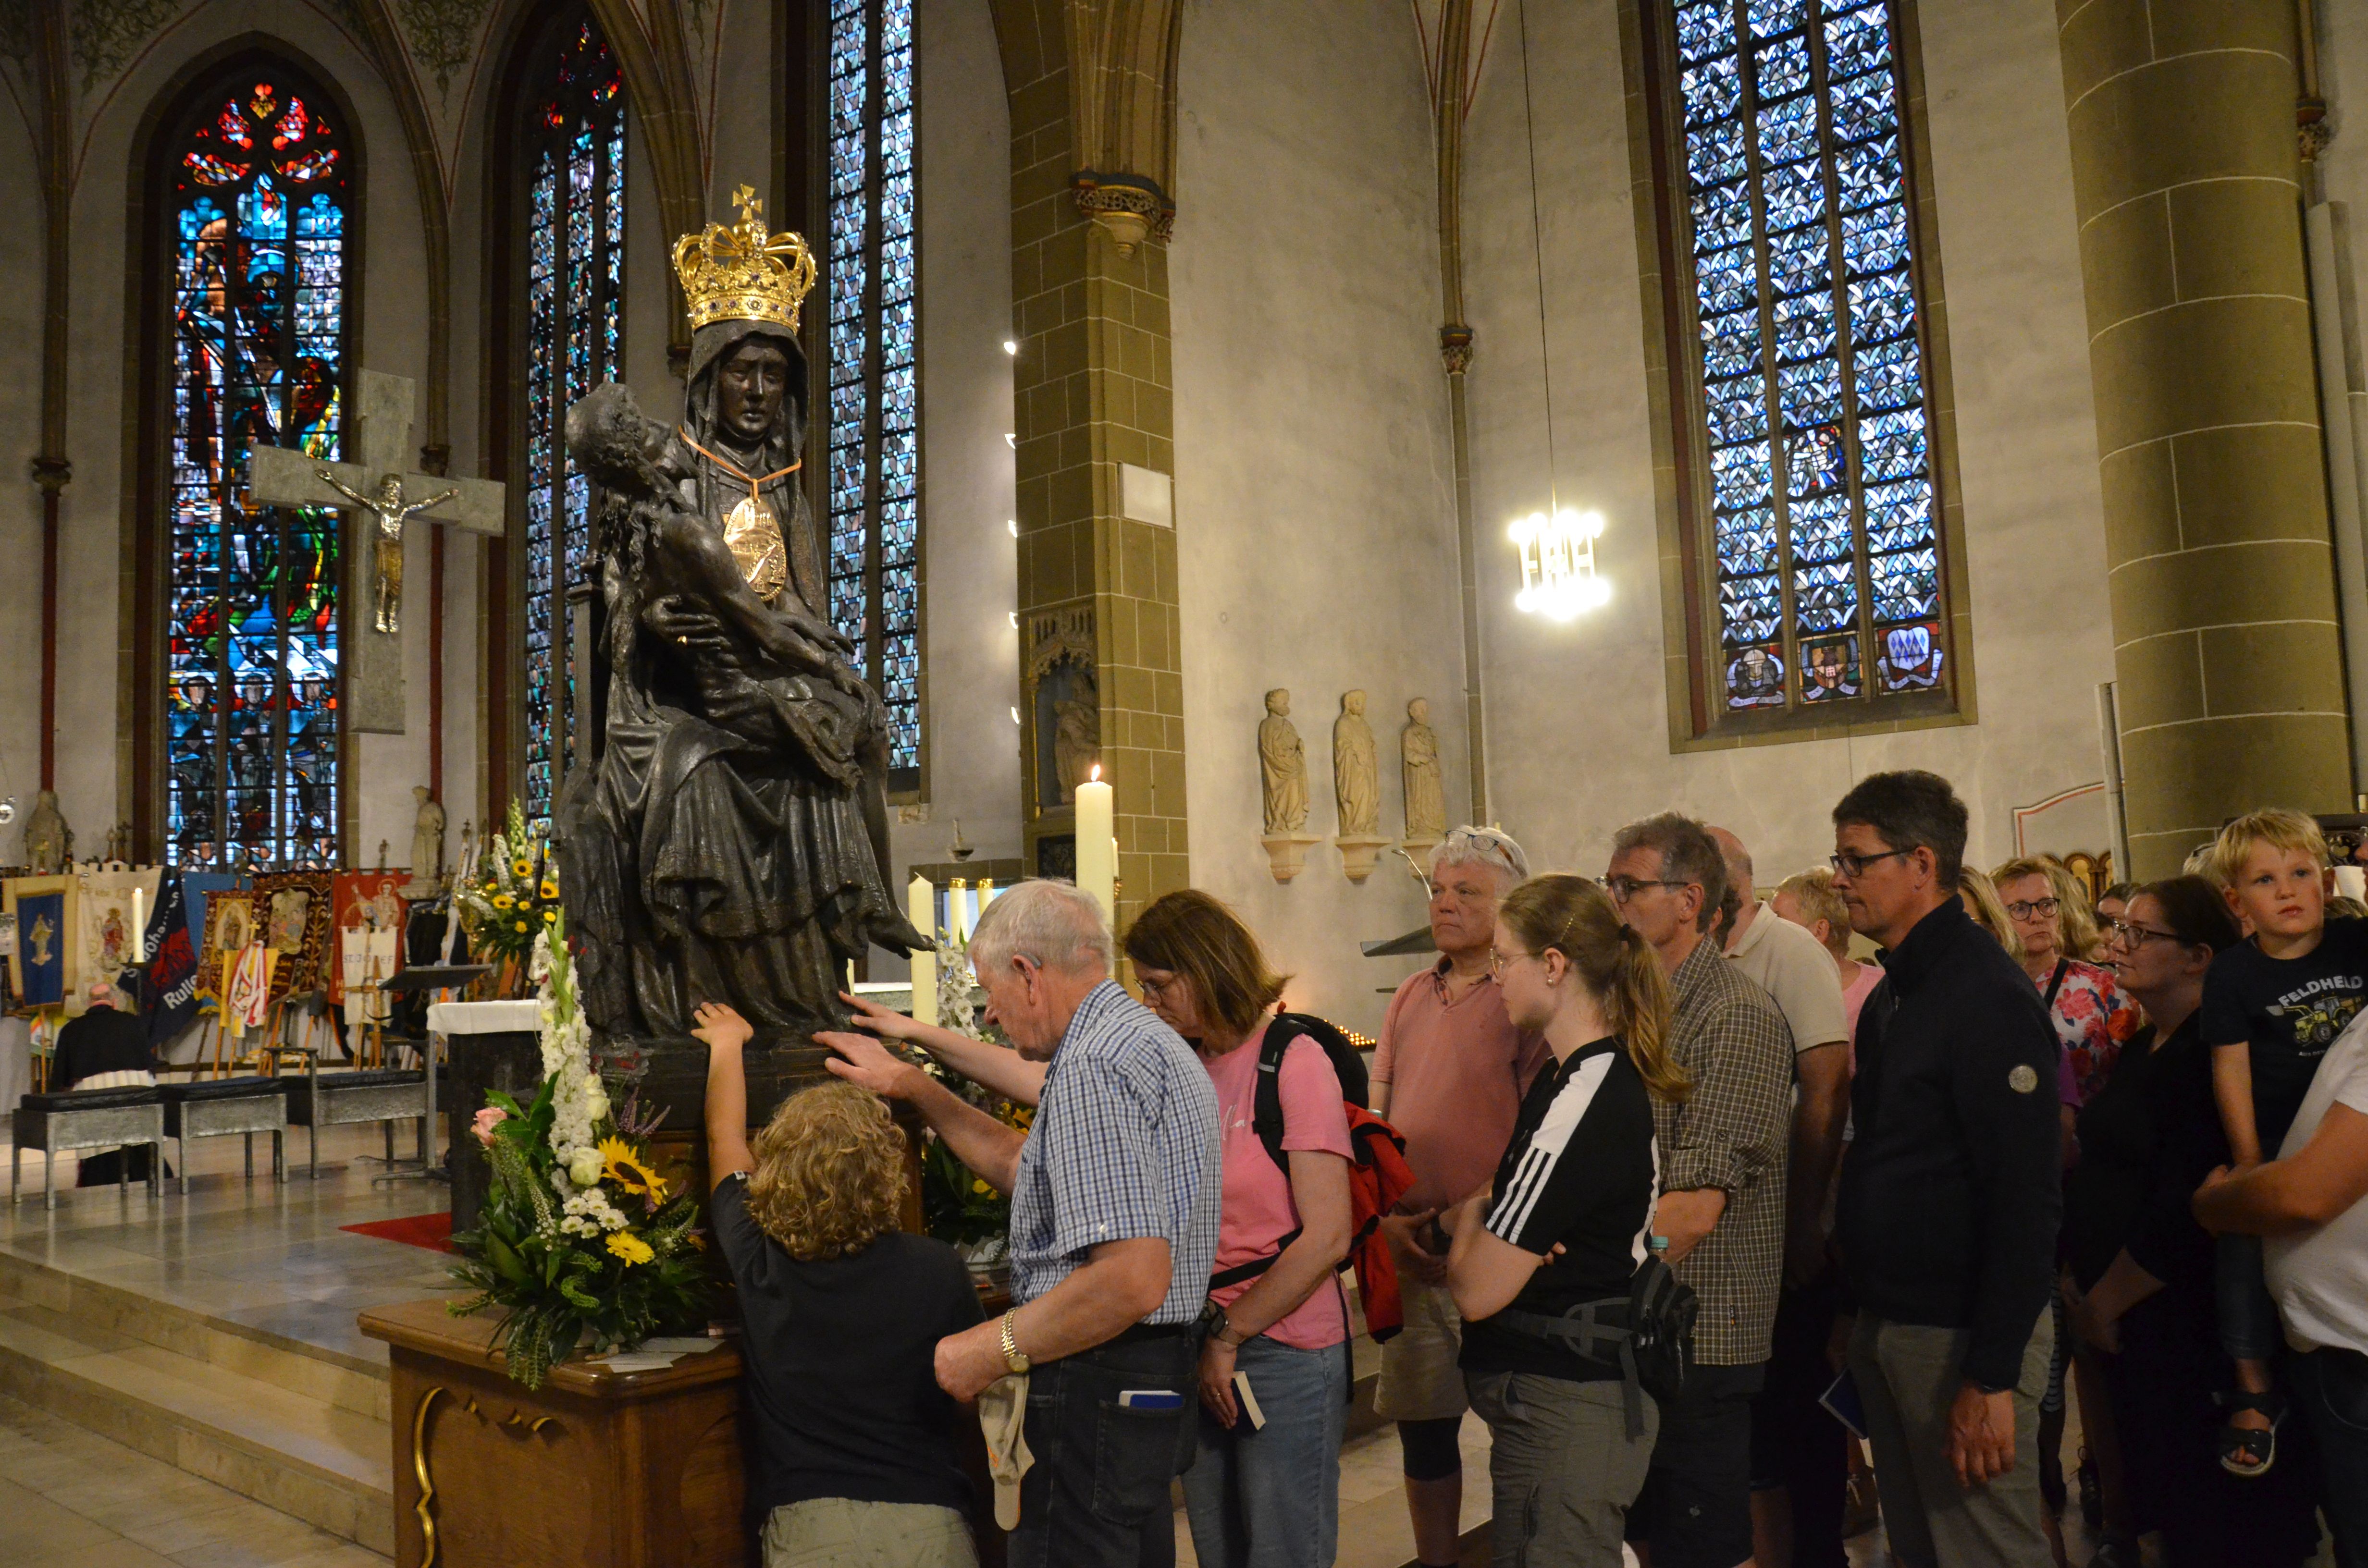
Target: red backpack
(1378, 1174)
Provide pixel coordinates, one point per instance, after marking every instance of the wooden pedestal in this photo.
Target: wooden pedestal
(594, 1469)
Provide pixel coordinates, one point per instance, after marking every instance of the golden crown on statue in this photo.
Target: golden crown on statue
(741, 272)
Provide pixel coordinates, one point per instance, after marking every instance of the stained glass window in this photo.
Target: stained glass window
(1813, 377)
(874, 410)
(574, 250)
(257, 199)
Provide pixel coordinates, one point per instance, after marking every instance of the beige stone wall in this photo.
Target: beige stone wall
(1578, 733)
(1314, 511)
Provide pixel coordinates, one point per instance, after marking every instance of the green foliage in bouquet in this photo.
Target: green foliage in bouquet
(513, 898)
(579, 1238)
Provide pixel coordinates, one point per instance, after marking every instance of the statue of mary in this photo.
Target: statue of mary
(730, 844)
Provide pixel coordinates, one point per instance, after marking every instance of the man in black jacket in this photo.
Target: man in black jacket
(1950, 1193)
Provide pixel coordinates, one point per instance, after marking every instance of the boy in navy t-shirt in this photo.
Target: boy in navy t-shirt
(2271, 1006)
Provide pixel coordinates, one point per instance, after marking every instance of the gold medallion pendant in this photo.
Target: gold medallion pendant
(755, 539)
(750, 531)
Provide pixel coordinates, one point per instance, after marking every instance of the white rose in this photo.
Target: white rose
(583, 1166)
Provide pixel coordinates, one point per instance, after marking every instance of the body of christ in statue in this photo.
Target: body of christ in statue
(731, 843)
(388, 509)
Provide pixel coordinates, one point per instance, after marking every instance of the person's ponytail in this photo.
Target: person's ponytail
(1639, 1002)
(1575, 915)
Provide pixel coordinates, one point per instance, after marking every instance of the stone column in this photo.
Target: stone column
(1093, 390)
(2187, 179)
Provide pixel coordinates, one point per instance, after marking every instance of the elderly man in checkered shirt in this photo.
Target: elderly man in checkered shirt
(1115, 1194)
(1720, 1157)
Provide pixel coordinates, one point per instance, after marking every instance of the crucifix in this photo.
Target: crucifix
(386, 496)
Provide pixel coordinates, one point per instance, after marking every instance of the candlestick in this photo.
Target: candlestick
(921, 909)
(1098, 844)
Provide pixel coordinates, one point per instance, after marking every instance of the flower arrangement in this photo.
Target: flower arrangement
(580, 1237)
(513, 900)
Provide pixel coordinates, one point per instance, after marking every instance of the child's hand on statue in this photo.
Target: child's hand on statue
(721, 1027)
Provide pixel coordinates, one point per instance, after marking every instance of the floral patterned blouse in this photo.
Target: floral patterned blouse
(2092, 1018)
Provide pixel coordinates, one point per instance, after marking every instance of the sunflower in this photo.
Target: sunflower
(503, 901)
(550, 888)
(626, 1169)
(629, 1247)
(521, 868)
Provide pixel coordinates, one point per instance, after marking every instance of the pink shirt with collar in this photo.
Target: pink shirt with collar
(1457, 1069)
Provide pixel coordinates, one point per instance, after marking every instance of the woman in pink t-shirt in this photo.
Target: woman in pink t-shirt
(1265, 1488)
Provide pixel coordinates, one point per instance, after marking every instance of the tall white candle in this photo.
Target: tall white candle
(921, 909)
(1097, 843)
(139, 924)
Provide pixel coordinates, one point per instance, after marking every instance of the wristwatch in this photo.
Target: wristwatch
(1014, 1359)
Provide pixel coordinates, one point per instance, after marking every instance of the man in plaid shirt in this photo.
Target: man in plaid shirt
(1115, 1196)
(1720, 1157)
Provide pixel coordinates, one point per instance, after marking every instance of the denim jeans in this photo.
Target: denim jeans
(2248, 1318)
(1271, 1498)
(2331, 1387)
(1102, 1470)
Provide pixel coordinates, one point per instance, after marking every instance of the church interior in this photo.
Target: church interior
(1186, 394)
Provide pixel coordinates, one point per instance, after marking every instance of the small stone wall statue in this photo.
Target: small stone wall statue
(1426, 804)
(1357, 786)
(48, 843)
(1283, 772)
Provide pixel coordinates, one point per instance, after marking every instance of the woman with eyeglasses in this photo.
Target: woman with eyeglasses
(2058, 935)
(2138, 1277)
(1565, 1222)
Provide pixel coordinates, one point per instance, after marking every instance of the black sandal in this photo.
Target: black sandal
(2249, 1451)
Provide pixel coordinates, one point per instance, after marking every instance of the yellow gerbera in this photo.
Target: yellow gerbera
(522, 927)
(629, 1247)
(550, 916)
(625, 1168)
(521, 868)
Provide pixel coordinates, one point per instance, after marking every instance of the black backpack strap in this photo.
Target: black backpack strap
(1265, 1101)
(2056, 984)
(1265, 1119)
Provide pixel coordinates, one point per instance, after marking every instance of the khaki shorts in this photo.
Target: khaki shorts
(1420, 1381)
(840, 1532)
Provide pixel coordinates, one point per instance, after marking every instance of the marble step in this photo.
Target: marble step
(353, 1382)
(322, 1461)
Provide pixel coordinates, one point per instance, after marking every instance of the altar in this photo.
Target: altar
(624, 1470)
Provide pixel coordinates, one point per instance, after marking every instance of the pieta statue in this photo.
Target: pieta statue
(731, 843)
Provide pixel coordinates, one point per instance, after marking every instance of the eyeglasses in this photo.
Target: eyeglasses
(1500, 960)
(1622, 889)
(1854, 866)
(2023, 909)
(2133, 936)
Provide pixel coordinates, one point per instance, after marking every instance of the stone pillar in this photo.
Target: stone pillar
(1093, 391)
(2186, 180)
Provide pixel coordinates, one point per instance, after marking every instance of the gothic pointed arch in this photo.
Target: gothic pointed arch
(246, 215)
(557, 183)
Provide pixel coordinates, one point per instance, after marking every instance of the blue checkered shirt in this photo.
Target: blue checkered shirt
(1124, 1144)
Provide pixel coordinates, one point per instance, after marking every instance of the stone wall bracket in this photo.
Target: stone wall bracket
(1358, 853)
(1286, 853)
